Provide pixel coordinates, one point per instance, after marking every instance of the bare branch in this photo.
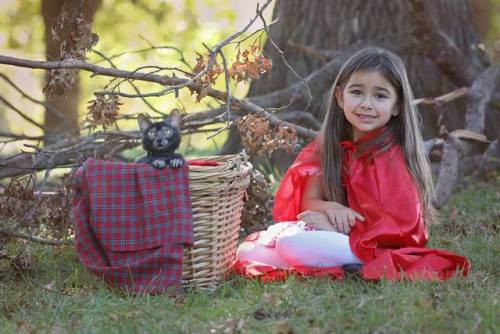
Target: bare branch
(491, 157)
(152, 47)
(226, 79)
(263, 29)
(50, 108)
(29, 237)
(448, 170)
(130, 82)
(301, 116)
(439, 100)
(433, 143)
(20, 137)
(20, 113)
(480, 95)
(211, 55)
(71, 151)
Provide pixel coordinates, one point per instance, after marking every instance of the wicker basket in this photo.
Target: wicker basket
(217, 200)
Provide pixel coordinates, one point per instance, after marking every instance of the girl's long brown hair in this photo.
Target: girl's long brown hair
(405, 127)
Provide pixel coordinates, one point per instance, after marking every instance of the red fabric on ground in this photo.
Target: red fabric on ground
(266, 273)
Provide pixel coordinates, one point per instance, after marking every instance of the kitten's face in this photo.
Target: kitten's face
(159, 137)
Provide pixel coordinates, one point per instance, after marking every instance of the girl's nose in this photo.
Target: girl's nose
(367, 103)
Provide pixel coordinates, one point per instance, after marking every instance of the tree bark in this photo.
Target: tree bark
(481, 10)
(334, 24)
(66, 105)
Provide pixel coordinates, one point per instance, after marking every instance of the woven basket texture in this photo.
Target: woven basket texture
(217, 199)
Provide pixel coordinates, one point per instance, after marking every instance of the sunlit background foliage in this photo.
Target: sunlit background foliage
(124, 25)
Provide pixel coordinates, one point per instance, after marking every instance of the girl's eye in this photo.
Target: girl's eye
(356, 92)
(381, 96)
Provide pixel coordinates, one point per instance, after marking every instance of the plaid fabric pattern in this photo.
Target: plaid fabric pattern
(131, 223)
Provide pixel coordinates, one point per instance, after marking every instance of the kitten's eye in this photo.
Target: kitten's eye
(168, 132)
(151, 133)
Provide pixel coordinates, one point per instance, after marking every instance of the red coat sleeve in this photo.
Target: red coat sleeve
(289, 194)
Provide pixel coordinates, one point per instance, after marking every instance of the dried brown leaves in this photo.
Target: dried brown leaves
(57, 210)
(212, 73)
(249, 65)
(59, 81)
(259, 137)
(256, 214)
(16, 200)
(208, 78)
(50, 212)
(75, 31)
(103, 111)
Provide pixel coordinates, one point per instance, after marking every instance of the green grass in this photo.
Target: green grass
(59, 295)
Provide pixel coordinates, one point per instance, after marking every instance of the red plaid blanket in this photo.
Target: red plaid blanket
(131, 223)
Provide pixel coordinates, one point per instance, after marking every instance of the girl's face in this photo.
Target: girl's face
(368, 101)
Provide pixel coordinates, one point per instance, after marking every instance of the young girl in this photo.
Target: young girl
(360, 194)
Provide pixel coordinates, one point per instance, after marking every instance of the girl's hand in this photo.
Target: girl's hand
(341, 217)
(316, 220)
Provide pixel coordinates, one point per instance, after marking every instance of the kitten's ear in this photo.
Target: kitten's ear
(144, 122)
(175, 118)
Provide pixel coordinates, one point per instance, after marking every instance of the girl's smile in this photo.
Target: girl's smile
(365, 117)
(368, 100)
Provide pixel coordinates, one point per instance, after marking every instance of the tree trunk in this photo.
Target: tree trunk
(333, 24)
(481, 10)
(61, 114)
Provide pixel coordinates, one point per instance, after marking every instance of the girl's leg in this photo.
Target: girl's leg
(315, 248)
(253, 251)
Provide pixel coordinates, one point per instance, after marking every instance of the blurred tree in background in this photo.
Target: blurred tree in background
(308, 31)
(121, 26)
(57, 36)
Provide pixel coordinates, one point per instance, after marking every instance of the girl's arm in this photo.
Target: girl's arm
(341, 217)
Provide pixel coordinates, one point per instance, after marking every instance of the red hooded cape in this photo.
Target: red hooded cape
(391, 242)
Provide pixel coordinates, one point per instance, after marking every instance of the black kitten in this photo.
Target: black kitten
(160, 140)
